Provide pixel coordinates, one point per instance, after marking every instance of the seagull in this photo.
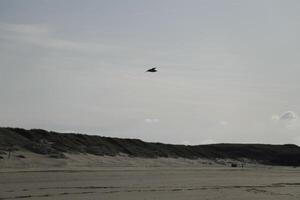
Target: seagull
(152, 70)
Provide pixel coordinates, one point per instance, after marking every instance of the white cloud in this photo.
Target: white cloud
(289, 119)
(275, 117)
(151, 121)
(289, 115)
(285, 116)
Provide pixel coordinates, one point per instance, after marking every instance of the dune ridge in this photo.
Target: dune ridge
(58, 145)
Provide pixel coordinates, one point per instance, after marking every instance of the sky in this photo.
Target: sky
(228, 71)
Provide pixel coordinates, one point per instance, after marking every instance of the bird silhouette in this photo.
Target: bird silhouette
(152, 70)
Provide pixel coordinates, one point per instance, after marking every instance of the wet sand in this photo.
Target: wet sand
(152, 183)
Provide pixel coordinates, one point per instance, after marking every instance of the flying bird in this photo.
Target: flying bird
(152, 70)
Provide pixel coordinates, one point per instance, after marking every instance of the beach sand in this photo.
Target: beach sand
(143, 179)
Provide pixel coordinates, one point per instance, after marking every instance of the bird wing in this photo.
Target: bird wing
(152, 70)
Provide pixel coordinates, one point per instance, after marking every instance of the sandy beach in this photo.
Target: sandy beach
(147, 181)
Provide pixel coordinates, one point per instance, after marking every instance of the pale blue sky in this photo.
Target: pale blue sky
(228, 70)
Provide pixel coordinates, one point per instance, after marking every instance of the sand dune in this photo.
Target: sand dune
(58, 145)
(25, 160)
